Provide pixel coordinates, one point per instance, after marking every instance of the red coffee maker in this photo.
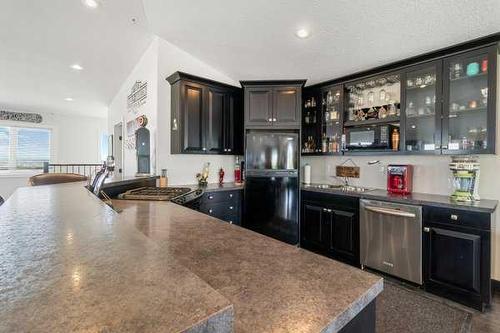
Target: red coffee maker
(399, 178)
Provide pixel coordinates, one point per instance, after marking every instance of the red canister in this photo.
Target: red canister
(484, 65)
(399, 178)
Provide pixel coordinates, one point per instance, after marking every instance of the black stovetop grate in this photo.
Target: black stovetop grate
(154, 193)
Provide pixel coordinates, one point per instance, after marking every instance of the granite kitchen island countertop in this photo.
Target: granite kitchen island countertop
(70, 263)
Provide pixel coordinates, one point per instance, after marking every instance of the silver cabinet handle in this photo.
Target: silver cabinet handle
(203, 148)
(454, 217)
(389, 211)
(274, 119)
(229, 150)
(231, 207)
(210, 211)
(210, 197)
(427, 229)
(270, 120)
(230, 195)
(325, 210)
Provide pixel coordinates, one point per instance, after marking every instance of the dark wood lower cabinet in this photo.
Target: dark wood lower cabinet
(456, 244)
(344, 235)
(224, 205)
(314, 232)
(456, 256)
(330, 225)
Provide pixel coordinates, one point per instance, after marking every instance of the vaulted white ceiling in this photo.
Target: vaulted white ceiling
(39, 40)
(255, 39)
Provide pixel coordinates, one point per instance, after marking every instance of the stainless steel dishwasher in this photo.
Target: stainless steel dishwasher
(391, 238)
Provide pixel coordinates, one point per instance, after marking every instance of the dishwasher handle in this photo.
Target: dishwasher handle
(389, 211)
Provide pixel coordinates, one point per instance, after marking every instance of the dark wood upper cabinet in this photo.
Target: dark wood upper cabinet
(286, 106)
(217, 106)
(191, 117)
(421, 110)
(259, 106)
(469, 102)
(272, 103)
(206, 116)
(445, 103)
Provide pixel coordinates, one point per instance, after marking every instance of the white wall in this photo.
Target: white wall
(145, 70)
(75, 139)
(159, 61)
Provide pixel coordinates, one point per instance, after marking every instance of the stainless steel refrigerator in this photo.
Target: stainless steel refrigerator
(272, 184)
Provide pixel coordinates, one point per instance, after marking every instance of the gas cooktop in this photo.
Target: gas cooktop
(154, 193)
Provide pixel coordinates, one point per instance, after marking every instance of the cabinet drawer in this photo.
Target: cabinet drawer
(233, 219)
(456, 217)
(222, 196)
(219, 210)
(338, 201)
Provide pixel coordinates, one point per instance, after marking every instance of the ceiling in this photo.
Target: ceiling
(256, 39)
(40, 40)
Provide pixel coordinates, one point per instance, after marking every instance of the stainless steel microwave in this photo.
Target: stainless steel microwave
(369, 137)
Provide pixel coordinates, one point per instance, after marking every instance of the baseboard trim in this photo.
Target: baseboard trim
(495, 285)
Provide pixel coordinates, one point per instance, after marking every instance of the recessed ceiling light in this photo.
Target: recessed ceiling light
(91, 3)
(76, 67)
(302, 33)
(69, 99)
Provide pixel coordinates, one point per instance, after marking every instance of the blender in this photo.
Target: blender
(465, 178)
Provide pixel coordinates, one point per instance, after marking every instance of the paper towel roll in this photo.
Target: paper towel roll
(307, 174)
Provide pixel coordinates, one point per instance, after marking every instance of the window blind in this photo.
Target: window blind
(24, 148)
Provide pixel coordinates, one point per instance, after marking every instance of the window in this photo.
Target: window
(24, 148)
(104, 151)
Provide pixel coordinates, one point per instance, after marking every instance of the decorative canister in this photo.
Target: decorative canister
(472, 69)
(484, 66)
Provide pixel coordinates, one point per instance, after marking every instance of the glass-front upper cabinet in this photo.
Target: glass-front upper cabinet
(375, 99)
(422, 108)
(469, 102)
(331, 119)
(311, 118)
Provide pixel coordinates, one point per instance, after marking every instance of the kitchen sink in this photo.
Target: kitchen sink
(344, 188)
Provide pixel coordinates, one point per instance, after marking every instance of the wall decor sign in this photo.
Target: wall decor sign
(132, 127)
(21, 116)
(138, 95)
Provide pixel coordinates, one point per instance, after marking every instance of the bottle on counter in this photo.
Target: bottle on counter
(307, 118)
(395, 139)
(242, 171)
(307, 174)
(163, 178)
(221, 176)
(324, 144)
(237, 171)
